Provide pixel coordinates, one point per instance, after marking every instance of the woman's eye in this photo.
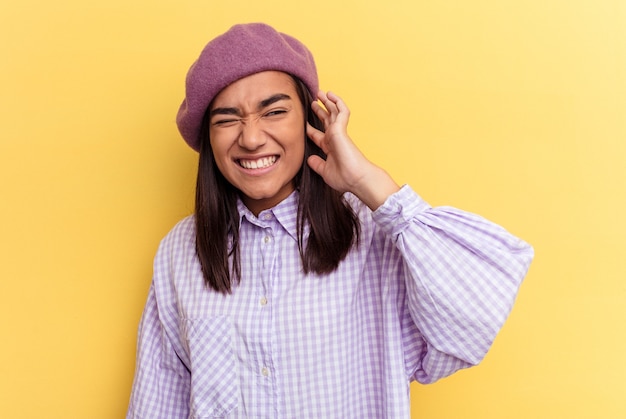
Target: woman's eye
(275, 112)
(223, 122)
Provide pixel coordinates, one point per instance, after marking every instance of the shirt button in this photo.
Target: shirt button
(265, 372)
(267, 216)
(263, 301)
(266, 239)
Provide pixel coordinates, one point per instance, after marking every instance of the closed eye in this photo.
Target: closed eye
(226, 122)
(275, 112)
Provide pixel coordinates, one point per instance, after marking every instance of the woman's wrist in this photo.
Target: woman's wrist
(375, 187)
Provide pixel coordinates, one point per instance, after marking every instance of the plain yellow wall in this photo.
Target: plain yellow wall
(512, 109)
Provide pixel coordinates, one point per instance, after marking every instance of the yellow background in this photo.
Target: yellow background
(512, 109)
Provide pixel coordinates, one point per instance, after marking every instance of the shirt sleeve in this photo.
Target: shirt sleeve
(462, 276)
(162, 381)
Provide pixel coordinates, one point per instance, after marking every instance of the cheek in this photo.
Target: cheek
(218, 141)
(297, 138)
(301, 150)
(220, 154)
(295, 154)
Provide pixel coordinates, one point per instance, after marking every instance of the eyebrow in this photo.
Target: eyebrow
(273, 99)
(262, 104)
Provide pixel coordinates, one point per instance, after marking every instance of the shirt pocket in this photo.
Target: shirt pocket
(214, 382)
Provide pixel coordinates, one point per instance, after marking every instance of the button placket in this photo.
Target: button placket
(268, 251)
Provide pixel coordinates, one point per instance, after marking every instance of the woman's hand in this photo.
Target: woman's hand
(345, 169)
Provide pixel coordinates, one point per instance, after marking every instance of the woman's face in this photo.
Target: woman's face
(257, 137)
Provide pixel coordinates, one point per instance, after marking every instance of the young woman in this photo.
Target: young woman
(307, 284)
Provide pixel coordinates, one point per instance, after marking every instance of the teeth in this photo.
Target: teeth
(258, 164)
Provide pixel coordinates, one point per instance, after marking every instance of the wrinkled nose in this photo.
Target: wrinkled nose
(251, 136)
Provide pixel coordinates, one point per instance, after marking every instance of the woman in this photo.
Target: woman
(307, 284)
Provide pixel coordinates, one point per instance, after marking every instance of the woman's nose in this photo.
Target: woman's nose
(251, 136)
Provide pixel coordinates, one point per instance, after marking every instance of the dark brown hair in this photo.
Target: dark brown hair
(334, 227)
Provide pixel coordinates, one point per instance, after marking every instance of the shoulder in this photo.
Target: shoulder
(176, 252)
(182, 234)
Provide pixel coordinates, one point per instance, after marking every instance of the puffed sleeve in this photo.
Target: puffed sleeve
(462, 275)
(162, 380)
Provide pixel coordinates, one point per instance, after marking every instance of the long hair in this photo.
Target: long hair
(333, 226)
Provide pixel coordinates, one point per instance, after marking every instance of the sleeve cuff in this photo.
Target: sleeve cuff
(398, 210)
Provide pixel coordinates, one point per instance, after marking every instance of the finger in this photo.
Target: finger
(317, 137)
(329, 104)
(338, 101)
(317, 164)
(321, 113)
(340, 105)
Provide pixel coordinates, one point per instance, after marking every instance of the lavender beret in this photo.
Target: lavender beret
(241, 51)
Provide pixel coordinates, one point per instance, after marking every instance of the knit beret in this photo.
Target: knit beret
(241, 51)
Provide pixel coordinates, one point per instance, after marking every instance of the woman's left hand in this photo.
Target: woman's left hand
(345, 169)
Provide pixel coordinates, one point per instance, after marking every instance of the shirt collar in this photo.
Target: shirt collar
(285, 213)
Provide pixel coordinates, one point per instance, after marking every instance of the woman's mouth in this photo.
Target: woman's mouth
(261, 163)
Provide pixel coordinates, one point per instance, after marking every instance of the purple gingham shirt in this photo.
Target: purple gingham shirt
(423, 295)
